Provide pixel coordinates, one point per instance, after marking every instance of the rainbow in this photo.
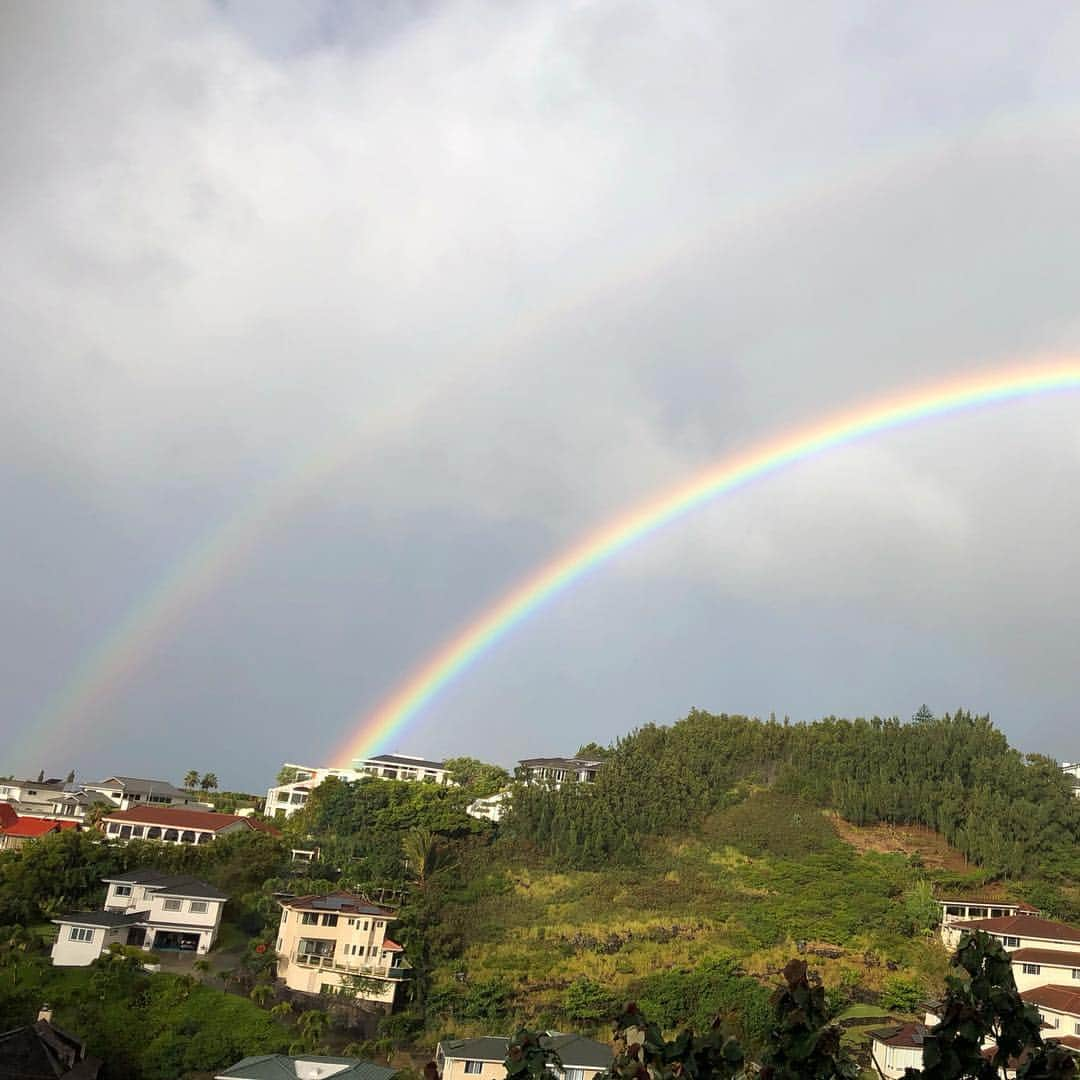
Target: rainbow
(482, 633)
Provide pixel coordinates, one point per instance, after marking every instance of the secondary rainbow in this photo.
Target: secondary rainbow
(476, 638)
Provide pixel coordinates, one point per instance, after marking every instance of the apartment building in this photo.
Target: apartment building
(557, 771)
(338, 944)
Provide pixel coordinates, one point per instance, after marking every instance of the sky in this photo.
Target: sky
(443, 287)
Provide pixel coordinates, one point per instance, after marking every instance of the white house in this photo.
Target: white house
(42, 798)
(173, 825)
(897, 1048)
(557, 771)
(1018, 932)
(1036, 967)
(1059, 1007)
(958, 910)
(147, 909)
(126, 792)
(491, 808)
(284, 800)
(582, 1059)
(1072, 768)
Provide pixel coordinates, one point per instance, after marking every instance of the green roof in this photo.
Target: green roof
(282, 1067)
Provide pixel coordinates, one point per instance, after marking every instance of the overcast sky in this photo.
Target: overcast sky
(528, 263)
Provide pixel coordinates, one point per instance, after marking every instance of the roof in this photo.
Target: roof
(41, 1051)
(177, 817)
(345, 903)
(281, 1067)
(1024, 926)
(170, 884)
(990, 901)
(574, 1051)
(28, 828)
(8, 816)
(101, 918)
(405, 759)
(131, 784)
(391, 946)
(1057, 998)
(911, 1035)
(564, 762)
(1052, 957)
(51, 784)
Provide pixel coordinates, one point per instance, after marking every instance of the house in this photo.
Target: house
(582, 1059)
(557, 771)
(147, 909)
(897, 1048)
(41, 798)
(1059, 1007)
(403, 767)
(309, 1067)
(130, 791)
(13, 834)
(958, 910)
(1035, 967)
(172, 825)
(1017, 932)
(1072, 769)
(337, 943)
(42, 1051)
(284, 800)
(490, 809)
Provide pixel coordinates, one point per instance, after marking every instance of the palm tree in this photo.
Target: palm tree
(281, 1010)
(260, 992)
(312, 1024)
(209, 782)
(424, 857)
(202, 966)
(191, 779)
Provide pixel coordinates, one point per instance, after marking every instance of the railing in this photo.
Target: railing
(332, 963)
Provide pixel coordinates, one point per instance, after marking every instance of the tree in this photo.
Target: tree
(593, 751)
(424, 855)
(209, 781)
(41, 777)
(478, 776)
(287, 774)
(191, 778)
(312, 1024)
(70, 777)
(260, 992)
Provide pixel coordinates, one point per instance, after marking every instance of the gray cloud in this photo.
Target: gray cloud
(533, 264)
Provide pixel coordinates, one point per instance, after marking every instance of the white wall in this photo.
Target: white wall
(68, 953)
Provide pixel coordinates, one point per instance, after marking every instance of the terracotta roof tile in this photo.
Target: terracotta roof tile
(1057, 957)
(1056, 998)
(174, 817)
(1023, 926)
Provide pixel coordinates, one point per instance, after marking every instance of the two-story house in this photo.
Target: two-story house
(959, 910)
(126, 792)
(147, 909)
(307, 1067)
(338, 944)
(557, 771)
(1018, 932)
(403, 767)
(460, 1059)
(1059, 1007)
(172, 825)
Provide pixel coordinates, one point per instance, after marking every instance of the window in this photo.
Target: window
(172, 834)
(977, 913)
(1012, 943)
(1049, 1021)
(1031, 969)
(315, 947)
(1076, 973)
(365, 924)
(153, 832)
(373, 951)
(198, 907)
(309, 918)
(123, 890)
(81, 933)
(328, 988)
(1076, 1029)
(329, 920)
(172, 905)
(472, 1067)
(188, 836)
(574, 1074)
(953, 909)
(114, 827)
(136, 830)
(379, 925)
(125, 832)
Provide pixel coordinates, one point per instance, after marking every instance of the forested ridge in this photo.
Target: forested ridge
(1008, 812)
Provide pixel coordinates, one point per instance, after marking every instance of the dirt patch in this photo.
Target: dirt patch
(909, 840)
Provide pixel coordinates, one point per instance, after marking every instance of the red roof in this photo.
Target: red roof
(910, 1035)
(7, 815)
(1062, 999)
(391, 946)
(1051, 957)
(1023, 926)
(172, 817)
(263, 826)
(29, 828)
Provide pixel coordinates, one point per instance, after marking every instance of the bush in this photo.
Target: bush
(902, 993)
(588, 1000)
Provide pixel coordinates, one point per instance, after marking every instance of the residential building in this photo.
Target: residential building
(308, 1067)
(34, 797)
(147, 909)
(557, 771)
(172, 825)
(42, 1051)
(582, 1059)
(284, 800)
(1072, 769)
(960, 910)
(895, 1049)
(1018, 932)
(16, 830)
(490, 809)
(1037, 967)
(1059, 1007)
(126, 792)
(403, 767)
(338, 943)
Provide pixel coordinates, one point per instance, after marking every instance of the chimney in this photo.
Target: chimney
(45, 1013)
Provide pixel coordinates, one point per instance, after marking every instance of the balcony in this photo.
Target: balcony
(346, 967)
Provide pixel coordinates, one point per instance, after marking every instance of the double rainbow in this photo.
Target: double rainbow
(478, 636)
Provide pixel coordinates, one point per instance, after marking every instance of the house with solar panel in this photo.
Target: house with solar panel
(339, 944)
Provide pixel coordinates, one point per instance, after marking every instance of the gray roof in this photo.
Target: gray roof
(561, 762)
(170, 884)
(282, 1067)
(575, 1051)
(51, 785)
(401, 759)
(102, 918)
(131, 784)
